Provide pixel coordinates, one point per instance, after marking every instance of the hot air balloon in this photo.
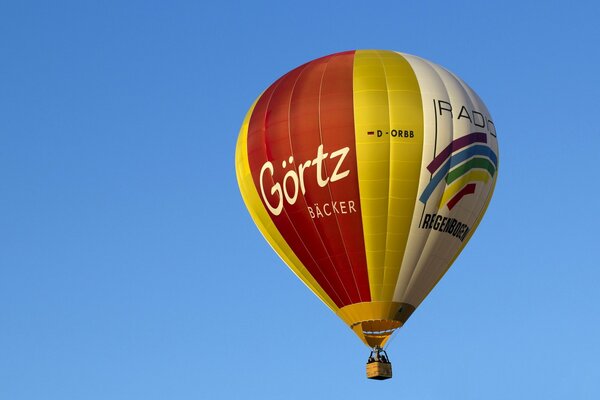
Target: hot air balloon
(368, 171)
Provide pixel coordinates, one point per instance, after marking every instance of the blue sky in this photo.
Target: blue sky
(130, 269)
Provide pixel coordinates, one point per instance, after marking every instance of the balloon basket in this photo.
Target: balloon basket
(379, 366)
(379, 370)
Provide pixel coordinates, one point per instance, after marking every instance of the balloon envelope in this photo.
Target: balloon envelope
(368, 171)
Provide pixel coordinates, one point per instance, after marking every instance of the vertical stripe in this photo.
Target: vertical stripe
(263, 221)
(304, 126)
(437, 134)
(336, 115)
(387, 101)
(433, 251)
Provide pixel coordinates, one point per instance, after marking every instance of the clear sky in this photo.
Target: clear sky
(130, 268)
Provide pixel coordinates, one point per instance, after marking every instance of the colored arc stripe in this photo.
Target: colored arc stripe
(475, 137)
(478, 150)
(468, 189)
(476, 162)
(476, 175)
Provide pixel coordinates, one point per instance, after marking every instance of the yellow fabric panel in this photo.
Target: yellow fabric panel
(387, 98)
(263, 220)
(369, 311)
(371, 113)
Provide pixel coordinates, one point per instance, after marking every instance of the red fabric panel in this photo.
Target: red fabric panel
(309, 107)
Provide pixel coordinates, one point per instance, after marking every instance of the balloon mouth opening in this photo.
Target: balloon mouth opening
(376, 333)
(379, 327)
(375, 322)
(383, 332)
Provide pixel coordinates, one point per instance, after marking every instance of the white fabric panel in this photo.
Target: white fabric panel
(429, 251)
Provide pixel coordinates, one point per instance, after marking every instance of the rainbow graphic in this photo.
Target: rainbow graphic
(463, 162)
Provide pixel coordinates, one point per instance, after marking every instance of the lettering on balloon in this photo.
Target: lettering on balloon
(400, 133)
(476, 118)
(334, 207)
(451, 226)
(293, 183)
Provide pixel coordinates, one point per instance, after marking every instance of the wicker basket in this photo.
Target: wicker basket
(379, 370)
